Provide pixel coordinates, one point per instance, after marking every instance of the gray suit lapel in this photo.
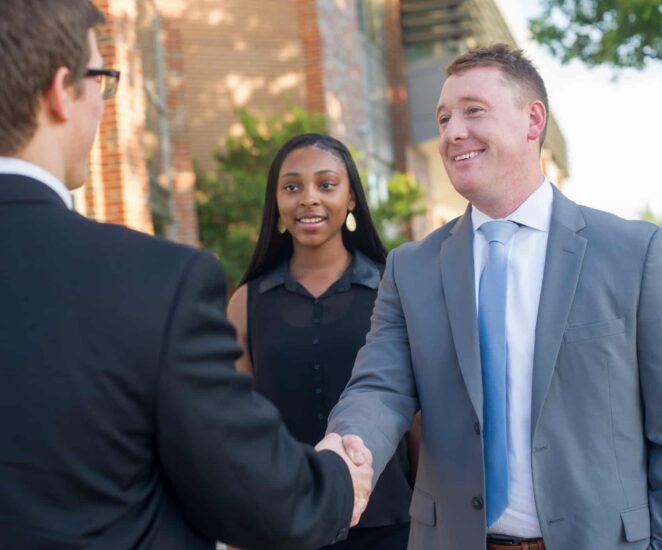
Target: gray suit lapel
(457, 275)
(563, 262)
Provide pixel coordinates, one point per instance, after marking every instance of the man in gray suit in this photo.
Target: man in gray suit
(535, 357)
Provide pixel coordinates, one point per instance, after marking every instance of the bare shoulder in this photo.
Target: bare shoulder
(237, 307)
(238, 316)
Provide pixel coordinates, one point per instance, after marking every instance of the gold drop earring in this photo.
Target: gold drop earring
(281, 226)
(350, 222)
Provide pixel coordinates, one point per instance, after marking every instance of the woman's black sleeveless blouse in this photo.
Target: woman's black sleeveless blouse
(303, 350)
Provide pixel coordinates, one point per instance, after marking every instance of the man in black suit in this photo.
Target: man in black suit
(123, 423)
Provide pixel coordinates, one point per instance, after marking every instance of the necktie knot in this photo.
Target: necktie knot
(498, 231)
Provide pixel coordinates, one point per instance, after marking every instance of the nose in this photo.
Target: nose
(456, 129)
(309, 196)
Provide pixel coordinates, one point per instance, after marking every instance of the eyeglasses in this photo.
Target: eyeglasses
(107, 79)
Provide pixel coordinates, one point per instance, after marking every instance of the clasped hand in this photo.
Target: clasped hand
(359, 461)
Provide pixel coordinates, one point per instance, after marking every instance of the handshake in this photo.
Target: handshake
(359, 461)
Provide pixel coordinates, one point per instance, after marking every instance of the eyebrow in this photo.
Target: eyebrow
(316, 173)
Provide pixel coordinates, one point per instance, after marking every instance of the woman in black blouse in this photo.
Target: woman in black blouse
(303, 309)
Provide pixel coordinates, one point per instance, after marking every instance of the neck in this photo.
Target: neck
(41, 152)
(329, 260)
(510, 199)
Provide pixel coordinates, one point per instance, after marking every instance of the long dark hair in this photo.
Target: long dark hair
(272, 247)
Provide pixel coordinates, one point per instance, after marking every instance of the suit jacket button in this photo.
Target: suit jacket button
(477, 427)
(477, 503)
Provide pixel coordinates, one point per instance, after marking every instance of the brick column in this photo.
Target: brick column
(311, 42)
(183, 177)
(395, 64)
(119, 164)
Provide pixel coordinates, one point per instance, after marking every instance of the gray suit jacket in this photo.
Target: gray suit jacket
(596, 410)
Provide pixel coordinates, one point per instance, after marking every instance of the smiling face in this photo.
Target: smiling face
(489, 139)
(313, 196)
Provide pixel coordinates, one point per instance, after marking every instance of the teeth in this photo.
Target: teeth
(311, 220)
(470, 155)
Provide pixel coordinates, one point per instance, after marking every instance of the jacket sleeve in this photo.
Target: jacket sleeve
(649, 355)
(380, 400)
(236, 471)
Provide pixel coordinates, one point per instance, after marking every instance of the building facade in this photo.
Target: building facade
(140, 177)
(373, 67)
(435, 32)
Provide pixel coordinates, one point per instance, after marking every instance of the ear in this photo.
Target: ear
(352, 202)
(537, 120)
(60, 95)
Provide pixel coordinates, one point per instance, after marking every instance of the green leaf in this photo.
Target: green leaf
(620, 33)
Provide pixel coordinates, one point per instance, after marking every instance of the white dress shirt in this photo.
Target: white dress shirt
(9, 165)
(526, 262)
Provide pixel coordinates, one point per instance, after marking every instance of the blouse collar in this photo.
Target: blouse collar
(361, 271)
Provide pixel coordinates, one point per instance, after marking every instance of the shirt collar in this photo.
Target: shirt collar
(361, 271)
(10, 165)
(535, 212)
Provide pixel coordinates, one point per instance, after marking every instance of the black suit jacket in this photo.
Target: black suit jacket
(123, 423)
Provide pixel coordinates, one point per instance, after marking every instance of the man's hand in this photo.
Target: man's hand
(359, 461)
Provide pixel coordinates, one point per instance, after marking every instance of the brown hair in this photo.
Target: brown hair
(514, 66)
(37, 37)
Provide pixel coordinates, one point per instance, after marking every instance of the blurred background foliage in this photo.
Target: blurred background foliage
(651, 216)
(394, 216)
(620, 33)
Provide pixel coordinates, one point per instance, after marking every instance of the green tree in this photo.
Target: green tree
(621, 33)
(650, 216)
(394, 216)
(230, 199)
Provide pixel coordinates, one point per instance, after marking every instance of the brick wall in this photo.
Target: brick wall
(311, 51)
(345, 95)
(397, 94)
(267, 55)
(237, 53)
(173, 171)
(118, 188)
(119, 192)
(183, 178)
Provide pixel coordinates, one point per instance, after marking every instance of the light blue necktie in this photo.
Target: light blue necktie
(493, 353)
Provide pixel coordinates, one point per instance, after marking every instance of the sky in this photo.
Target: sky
(612, 123)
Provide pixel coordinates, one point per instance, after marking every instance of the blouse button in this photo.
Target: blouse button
(316, 341)
(318, 390)
(316, 366)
